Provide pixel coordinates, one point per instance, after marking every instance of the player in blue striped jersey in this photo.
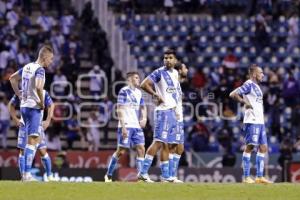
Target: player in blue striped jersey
(251, 96)
(165, 81)
(32, 78)
(132, 115)
(176, 140)
(22, 136)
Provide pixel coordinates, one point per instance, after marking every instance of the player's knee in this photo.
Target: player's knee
(263, 148)
(140, 151)
(120, 152)
(180, 149)
(249, 148)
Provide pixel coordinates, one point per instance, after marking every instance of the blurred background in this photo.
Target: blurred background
(97, 42)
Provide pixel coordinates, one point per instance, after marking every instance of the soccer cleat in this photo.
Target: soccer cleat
(248, 180)
(29, 178)
(166, 180)
(49, 178)
(144, 178)
(176, 180)
(107, 179)
(262, 180)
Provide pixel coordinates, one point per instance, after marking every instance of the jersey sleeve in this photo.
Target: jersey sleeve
(244, 89)
(15, 101)
(142, 102)
(40, 73)
(122, 97)
(48, 100)
(155, 76)
(20, 71)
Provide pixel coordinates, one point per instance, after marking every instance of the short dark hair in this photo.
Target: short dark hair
(130, 74)
(169, 52)
(178, 65)
(252, 68)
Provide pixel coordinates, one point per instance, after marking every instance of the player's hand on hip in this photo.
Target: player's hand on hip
(45, 125)
(248, 106)
(41, 105)
(143, 123)
(18, 123)
(124, 132)
(158, 99)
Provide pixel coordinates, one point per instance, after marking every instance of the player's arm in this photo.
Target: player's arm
(236, 95)
(39, 84)
(143, 119)
(14, 81)
(120, 113)
(50, 111)
(147, 86)
(121, 103)
(13, 113)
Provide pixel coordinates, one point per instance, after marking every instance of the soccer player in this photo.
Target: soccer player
(165, 81)
(176, 146)
(130, 105)
(251, 96)
(32, 77)
(22, 136)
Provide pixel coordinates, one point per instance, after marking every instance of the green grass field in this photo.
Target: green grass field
(10, 190)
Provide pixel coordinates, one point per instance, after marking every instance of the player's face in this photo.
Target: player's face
(183, 71)
(135, 80)
(48, 59)
(169, 60)
(259, 74)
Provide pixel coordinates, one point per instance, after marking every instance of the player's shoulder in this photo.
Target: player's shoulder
(249, 81)
(123, 89)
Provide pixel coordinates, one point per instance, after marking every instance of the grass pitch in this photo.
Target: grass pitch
(13, 190)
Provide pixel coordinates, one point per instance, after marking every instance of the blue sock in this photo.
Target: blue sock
(29, 154)
(47, 164)
(147, 164)
(176, 160)
(139, 164)
(164, 166)
(171, 164)
(246, 164)
(112, 164)
(260, 157)
(21, 164)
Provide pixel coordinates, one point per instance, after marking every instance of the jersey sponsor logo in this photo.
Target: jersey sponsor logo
(171, 90)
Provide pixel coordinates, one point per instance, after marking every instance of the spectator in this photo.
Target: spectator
(66, 23)
(97, 81)
(293, 34)
(93, 135)
(200, 137)
(72, 130)
(60, 82)
(262, 38)
(199, 80)
(12, 17)
(168, 4)
(46, 22)
(61, 161)
(4, 120)
(105, 111)
(230, 60)
(290, 90)
(23, 56)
